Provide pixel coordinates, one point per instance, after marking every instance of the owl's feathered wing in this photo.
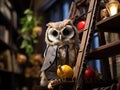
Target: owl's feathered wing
(50, 55)
(49, 66)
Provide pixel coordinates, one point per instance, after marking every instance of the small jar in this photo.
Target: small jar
(104, 13)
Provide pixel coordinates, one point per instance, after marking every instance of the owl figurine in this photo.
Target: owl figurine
(62, 45)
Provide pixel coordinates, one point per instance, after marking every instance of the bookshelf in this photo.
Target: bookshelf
(12, 73)
(111, 50)
(105, 50)
(110, 24)
(10, 78)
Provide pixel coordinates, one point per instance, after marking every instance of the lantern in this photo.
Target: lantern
(112, 7)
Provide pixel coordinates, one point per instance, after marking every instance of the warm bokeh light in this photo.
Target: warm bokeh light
(112, 7)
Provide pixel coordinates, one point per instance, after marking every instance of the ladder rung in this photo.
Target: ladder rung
(89, 11)
(85, 30)
(80, 51)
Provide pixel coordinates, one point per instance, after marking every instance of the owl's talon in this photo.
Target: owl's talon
(50, 86)
(54, 82)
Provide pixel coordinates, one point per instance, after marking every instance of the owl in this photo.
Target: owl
(62, 45)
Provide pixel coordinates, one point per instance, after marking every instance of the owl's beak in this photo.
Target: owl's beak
(60, 37)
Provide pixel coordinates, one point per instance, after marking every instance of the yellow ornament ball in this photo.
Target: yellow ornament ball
(65, 71)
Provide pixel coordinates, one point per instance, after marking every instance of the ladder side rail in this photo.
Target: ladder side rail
(80, 64)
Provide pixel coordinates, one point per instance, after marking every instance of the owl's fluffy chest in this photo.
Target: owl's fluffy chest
(62, 53)
(67, 55)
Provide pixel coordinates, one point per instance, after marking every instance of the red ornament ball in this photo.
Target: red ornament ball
(81, 25)
(89, 73)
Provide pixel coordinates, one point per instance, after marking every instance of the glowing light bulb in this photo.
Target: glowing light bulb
(112, 7)
(113, 10)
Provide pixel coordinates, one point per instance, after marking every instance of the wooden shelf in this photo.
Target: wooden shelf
(7, 23)
(4, 46)
(104, 51)
(10, 80)
(4, 20)
(110, 24)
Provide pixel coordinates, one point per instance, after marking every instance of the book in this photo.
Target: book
(4, 34)
(7, 55)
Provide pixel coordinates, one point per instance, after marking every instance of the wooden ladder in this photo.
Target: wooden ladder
(85, 41)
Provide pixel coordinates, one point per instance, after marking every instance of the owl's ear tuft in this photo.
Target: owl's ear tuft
(68, 21)
(50, 24)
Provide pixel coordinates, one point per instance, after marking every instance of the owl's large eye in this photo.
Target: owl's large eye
(54, 33)
(68, 32)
